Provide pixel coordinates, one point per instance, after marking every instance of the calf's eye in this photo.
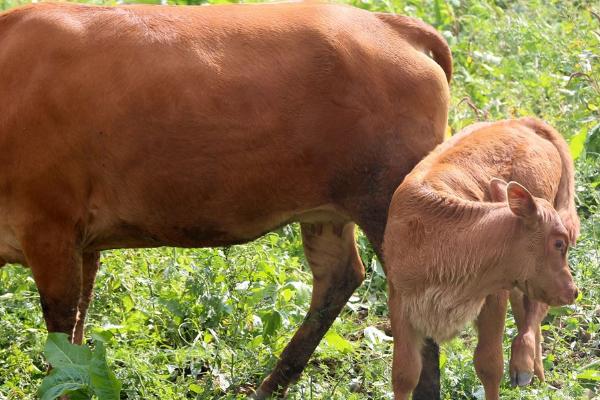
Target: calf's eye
(560, 245)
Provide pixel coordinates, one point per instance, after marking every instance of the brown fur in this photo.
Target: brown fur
(468, 247)
(150, 126)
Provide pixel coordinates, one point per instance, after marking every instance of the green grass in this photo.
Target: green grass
(209, 323)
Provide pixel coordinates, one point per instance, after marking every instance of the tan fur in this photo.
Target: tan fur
(205, 126)
(470, 247)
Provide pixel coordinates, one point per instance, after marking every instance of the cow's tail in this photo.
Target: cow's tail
(564, 201)
(423, 36)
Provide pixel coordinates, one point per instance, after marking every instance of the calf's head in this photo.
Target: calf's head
(539, 247)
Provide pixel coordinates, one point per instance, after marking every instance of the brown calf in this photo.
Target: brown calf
(151, 126)
(458, 238)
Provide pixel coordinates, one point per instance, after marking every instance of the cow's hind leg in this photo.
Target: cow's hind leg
(51, 252)
(526, 349)
(337, 270)
(91, 262)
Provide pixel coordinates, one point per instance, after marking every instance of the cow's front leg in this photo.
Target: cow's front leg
(51, 252)
(489, 363)
(331, 252)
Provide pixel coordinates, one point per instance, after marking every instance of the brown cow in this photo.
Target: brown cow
(458, 238)
(151, 126)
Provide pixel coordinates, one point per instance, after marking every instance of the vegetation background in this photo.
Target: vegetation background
(209, 323)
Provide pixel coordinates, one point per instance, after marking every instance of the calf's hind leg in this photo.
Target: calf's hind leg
(337, 270)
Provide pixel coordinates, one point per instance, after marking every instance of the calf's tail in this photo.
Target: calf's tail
(424, 36)
(564, 202)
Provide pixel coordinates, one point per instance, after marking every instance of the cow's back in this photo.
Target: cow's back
(209, 125)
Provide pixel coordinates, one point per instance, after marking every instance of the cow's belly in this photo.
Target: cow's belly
(200, 229)
(10, 248)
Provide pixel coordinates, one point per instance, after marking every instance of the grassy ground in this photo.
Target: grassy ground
(210, 323)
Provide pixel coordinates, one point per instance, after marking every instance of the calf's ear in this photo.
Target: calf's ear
(498, 190)
(520, 201)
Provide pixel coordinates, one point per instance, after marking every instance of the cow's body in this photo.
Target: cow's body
(454, 245)
(149, 131)
(150, 126)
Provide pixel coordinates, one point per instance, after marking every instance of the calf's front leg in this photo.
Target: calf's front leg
(407, 362)
(428, 387)
(488, 359)
(526, 349)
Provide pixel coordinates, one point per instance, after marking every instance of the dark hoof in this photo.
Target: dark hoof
(520, 378)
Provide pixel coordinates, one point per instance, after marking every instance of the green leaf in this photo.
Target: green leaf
(61, 389)
(195, 388)
(576, 145)
(592, 143)
(271, 322)
(77, 371)
(64, 380)
(334, 340)
(589, 375)
(61, 352)
(104, 382)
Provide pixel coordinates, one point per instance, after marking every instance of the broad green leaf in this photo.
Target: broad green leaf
(78, 371)
(64, 379)
(104, 382)
(61, 352)
(576, 145)
(60, 389)
(334, 340)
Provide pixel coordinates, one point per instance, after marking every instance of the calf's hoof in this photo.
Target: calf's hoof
(522, 360)
(520, 378)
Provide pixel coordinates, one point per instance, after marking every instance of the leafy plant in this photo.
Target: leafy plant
(78, 371)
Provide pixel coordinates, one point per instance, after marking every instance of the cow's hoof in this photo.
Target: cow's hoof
(520, 378)
(261, 394)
